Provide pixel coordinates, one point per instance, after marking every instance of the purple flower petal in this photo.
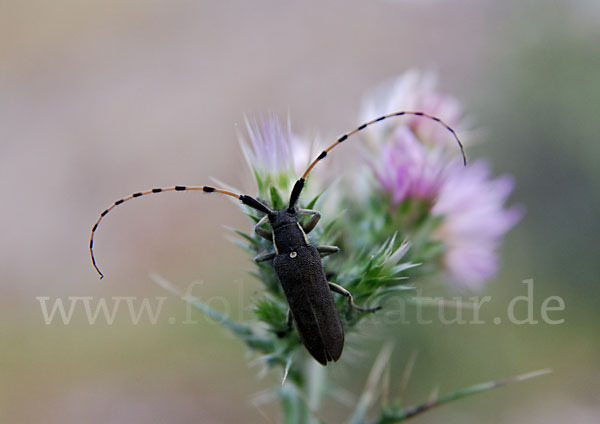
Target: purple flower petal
(474, 222)
(273, 149)
(407, 169)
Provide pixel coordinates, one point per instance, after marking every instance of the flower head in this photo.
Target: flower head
(407, 169)
(417, 163)
(474, 222)
(414, 91)
(273, 148)
(469, 202)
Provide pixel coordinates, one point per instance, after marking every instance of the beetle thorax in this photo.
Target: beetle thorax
(288, 235)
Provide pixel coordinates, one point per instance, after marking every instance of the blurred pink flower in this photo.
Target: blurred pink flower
(469, 201)
(415, 162)
(474, 222)
(414, 91)
(407, 169)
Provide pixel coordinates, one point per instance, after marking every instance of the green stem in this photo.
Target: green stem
(301, 400)
(315, 383)
(404, 414)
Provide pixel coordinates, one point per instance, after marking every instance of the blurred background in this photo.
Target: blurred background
(103, 98)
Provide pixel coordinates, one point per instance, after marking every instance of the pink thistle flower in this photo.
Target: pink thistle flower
(273, 148)
(407, 169)
(414, 91)
(469, 201)
(471, 204)
(414, 163)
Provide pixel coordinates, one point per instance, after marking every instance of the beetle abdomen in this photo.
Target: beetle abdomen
(311, 302)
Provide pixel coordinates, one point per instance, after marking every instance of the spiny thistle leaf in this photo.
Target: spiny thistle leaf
(370, 392)
(271, 312)
(276, 201)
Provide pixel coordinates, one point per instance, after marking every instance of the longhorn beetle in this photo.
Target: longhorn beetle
(297, 263)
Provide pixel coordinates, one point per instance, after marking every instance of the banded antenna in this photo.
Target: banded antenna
(247, 200)
(300, 183)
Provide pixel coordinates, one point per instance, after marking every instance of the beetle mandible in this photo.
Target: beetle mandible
(296, 262)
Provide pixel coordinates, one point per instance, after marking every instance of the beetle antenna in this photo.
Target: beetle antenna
(246, 200)
(300, 183)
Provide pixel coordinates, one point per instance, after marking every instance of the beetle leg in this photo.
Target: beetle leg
(339, 289)
(263, 232)
(265, 256)
(288, 322)
(312, 222)
(327, 250)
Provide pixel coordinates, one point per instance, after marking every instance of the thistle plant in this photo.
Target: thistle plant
(408, 211)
